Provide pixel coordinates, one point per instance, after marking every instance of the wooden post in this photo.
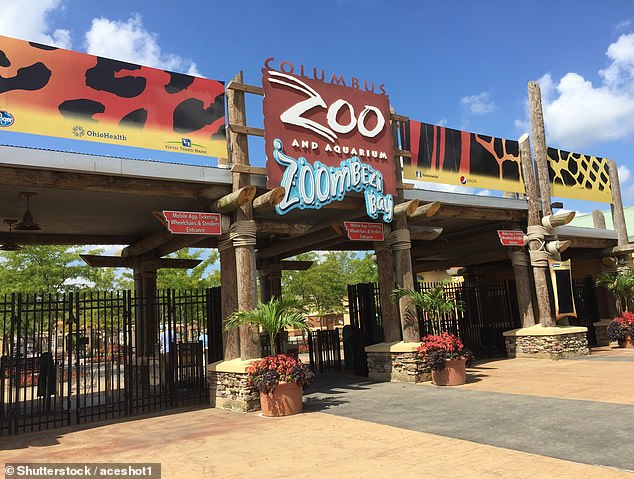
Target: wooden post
(387, 283)
(539, 145)
(146, 330)
(246, 283)
(598, 220)
(405, 279)
(618, 217)
(544, 312)
(229, 303)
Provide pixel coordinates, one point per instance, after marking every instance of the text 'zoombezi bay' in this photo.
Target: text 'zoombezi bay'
(313, 186)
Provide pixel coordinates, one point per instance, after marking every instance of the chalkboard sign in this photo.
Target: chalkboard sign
(561, 277)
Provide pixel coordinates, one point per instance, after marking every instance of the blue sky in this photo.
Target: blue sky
(462, 64)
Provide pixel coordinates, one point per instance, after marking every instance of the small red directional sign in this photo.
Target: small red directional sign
(512, 237)
(361, 231)
(193, 223)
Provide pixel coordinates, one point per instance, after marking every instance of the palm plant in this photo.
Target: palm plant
(434, 301)
(621, 285)
(272, 317)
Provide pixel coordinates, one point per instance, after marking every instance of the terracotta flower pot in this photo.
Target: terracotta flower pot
(453, 374)
(284, 400)
(626, 342)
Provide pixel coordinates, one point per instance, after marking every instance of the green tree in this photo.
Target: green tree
(324, 285)
(202, 276)
(51, 269)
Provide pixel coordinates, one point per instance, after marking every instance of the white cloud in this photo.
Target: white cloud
(32, 22)
(129, 41)
(579, 114)
(624, 174)
(442, 122)
(479, 104)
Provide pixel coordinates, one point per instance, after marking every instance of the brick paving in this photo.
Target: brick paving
(324, 443)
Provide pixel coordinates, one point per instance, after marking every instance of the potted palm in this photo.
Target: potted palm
(433, 301)
(621, 285)
(279, 378)
(444, 352)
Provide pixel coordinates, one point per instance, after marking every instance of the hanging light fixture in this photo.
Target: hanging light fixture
(10, 244)
(27, 223)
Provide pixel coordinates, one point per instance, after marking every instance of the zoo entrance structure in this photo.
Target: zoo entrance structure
(340, 173)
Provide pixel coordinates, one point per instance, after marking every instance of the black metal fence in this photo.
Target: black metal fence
(364, 304)
(584, 293)
(324, 350)
(488, 309)
(80, 357)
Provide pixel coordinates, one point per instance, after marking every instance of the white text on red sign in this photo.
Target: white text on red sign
(362, 231)
(193, 223)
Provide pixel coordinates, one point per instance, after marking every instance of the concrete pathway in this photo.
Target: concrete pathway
(550, 422)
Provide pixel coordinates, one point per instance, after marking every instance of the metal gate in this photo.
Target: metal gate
(584, 292)
(72, 358)
(364, 304)
(489, 309)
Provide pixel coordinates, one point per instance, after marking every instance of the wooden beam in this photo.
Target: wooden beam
(277, 228)
(426, 211)
(396, 117)
(234, 200)
(179, 263)
(476, 213)
(147, 244)
(251, 170)
(408, 186)
(295, 265)
(269, 199)
(118, 262)
(311, 239)
(424, 233)
(247, 130)
(286, 266)
(178, 242)
(405, 153)
(25, 177)
(408, 208)
(239, 86)
(97, 261)
(40, 238)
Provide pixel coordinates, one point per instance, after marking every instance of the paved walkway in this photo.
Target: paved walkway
(515, 418)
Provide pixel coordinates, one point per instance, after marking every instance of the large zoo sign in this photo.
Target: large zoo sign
(325, 140)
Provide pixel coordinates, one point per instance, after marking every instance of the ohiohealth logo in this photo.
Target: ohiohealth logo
(6, 119)
(78, 131)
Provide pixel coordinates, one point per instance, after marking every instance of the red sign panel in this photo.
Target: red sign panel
(512, 238)
(360, 231)
(325, 140)
(193, 223)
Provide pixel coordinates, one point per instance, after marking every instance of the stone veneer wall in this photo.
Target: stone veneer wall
(401, 367)
(601, 332)
(229, 390)
(559, 346)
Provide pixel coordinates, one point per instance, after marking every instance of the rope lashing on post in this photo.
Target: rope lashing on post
(399, 240)
(518, 257)
(243, 233)
(539, 257)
